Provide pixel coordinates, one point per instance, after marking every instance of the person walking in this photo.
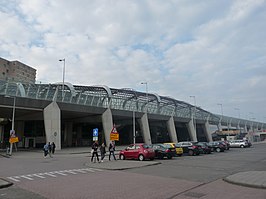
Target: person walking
(103, 151)
(95, 146)
(50, 149)
(112, 150)
(46, 150)
(53, 147)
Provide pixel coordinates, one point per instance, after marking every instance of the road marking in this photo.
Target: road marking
(53, 174)
(13, 178)
(26, 177)
(69, 171)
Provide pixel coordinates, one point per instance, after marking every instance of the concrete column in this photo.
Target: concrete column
(79, 135)
(171, 129)
(68, 136)
(144, 125)
(2, 136)
(207, 131)
(52, 124)
(107, 121)
(192, 131)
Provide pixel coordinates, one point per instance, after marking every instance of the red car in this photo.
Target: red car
(137, 151)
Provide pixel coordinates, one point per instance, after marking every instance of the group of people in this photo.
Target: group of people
(95, 147)
(49, 149)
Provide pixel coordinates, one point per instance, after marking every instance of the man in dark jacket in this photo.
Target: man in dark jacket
(95, 146)
(112, 150)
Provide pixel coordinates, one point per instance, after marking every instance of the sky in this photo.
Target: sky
(213, 50)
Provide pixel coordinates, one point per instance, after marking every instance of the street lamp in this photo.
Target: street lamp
(221, 108)
(12, 131)
(146, 83)
(194, 118)
(63, 86)
(238, 110)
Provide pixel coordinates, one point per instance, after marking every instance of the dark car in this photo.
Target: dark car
(216, 146)
(189, 148)
(163, 150)
(226, 144)
(204, 148)
(137, 151)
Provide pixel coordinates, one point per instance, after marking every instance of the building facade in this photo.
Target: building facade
(15, 71)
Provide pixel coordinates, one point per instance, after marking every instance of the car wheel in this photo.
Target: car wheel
(151, 158)
(190, 152)
(122, 157)
(141, 157)
(169, 157)
(180, 154)
(242, 146)
(218, 150)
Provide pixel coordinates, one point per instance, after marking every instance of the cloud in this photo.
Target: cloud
(211, 49)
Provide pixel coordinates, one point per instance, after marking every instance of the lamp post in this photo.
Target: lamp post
(238, 110)
(134, 127)
(146, 83)
(221, 109)
(194, 113)
(12, 131)
(63, 86)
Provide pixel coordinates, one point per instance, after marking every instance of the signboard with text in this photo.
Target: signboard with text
(114, 135)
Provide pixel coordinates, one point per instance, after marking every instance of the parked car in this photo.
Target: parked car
(238, 143)
(204, 148)
(179, 150)
(189, 148)
(137, 151)
(162, 150)
(216, 146)
(226, 144)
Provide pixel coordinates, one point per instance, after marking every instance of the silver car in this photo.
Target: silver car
(238, 143)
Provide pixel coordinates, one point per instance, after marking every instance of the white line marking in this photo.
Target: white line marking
(49, 174)
(69, 171)
(13, 178)
(26, 177)
(39, 176)
(79, 170)
(90, 170)
(58, 172)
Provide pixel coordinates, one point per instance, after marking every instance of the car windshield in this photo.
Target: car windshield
(177, 145)
(168, 145)
(147, 146)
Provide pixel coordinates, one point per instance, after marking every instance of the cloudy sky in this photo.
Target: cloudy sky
(213, 50)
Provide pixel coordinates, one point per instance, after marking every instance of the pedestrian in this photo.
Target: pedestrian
(50, 149)
(94, 147)
(53, 147)
(45, 150)
(103, 151)
(112, 150)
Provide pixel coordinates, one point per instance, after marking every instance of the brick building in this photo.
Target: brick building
(16, 71)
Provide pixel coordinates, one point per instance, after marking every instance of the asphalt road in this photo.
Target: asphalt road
(68, 176)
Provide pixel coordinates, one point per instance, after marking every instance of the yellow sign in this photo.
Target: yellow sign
(13, 140)
(114, 136)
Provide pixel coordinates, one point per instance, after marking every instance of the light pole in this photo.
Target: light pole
(134, 127)
(221, 109)
(12, 131)
(194, 114)
(238, 110)
(63, 86)
(146, 83)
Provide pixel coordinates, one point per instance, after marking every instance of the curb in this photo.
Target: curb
(243, 179)
(5, 183)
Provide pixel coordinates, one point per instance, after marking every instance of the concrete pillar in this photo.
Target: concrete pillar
(144, 125)
(68, 136)
(52, 124)
(107, 121)
(192, 131)
(2, 136)
(79, 135)
(207, 131)
(171, 129)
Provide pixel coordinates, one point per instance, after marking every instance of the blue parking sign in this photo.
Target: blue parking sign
(95, 132)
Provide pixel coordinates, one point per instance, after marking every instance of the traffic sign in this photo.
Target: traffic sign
(114, 135)
(95, 132)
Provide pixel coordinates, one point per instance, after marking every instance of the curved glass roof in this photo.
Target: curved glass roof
(120, 99)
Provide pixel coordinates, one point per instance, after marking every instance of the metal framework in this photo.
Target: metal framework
(120, 99)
